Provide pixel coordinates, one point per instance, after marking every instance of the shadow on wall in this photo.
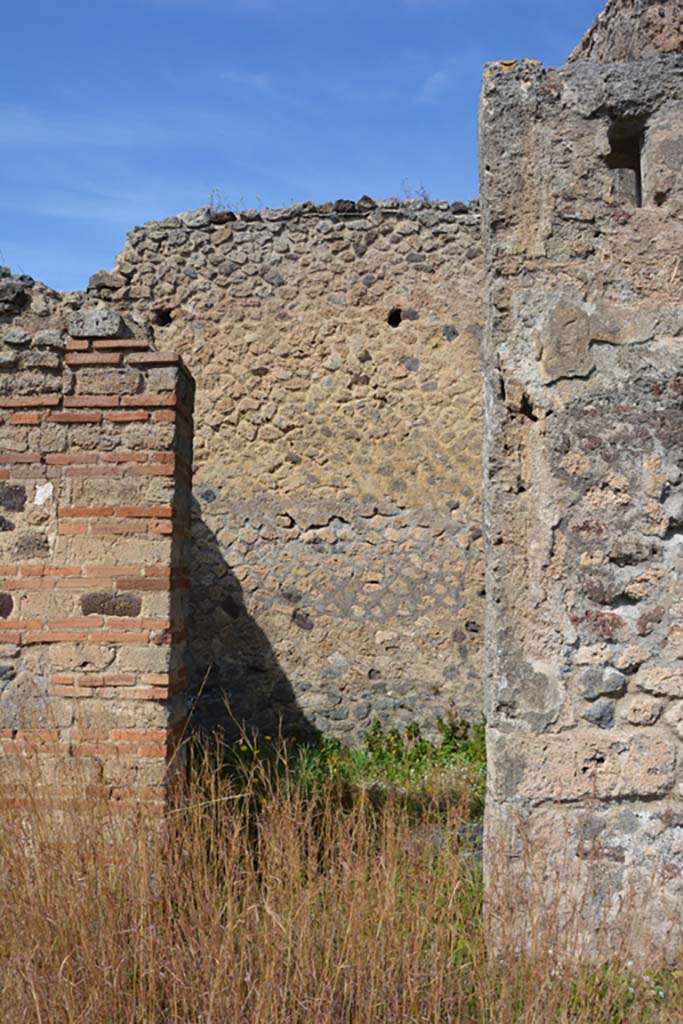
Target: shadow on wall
(236, 681)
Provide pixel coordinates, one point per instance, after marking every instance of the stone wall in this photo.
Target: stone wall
(337, 570)
(582, 194)
(95, 455)
(629, 30)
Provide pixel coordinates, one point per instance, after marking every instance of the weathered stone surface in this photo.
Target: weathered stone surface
(14, 293)
(16, 337)
(49, 339)
(12, 497)
(582, 196)
(111, 604)
(665, 681)
(630, 30)
(612, 868)
(565, 347)
(641, 710)
(601, 713)
(598, 682)
(198, 218)
(106, 279)
(580, 765)
(96, 323)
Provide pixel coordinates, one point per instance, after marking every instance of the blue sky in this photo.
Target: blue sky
(115, 112)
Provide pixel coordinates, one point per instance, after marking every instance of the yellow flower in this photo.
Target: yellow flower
(268, 737)
(244, 747)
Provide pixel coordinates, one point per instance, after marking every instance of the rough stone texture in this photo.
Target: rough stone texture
(94, 549)
(583, 483)
(337, 568)
(629, 30)
(95, 324)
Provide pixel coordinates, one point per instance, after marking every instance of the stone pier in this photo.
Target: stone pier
(582, 195)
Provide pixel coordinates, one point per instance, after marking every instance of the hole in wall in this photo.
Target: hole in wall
(625, 137)
(398, 315)
(162, 317)
(527, 409)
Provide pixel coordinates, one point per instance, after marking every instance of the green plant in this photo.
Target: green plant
(451, 767)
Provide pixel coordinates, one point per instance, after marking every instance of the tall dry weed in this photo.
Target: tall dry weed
(274, 904)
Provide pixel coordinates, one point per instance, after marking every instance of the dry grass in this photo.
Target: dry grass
(279, 904)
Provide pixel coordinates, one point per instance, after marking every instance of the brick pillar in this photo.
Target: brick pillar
(95, 462)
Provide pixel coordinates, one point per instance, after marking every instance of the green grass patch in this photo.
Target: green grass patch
(429, 774)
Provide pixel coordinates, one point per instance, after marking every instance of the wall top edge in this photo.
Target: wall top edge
(630, 30)
(341, 209)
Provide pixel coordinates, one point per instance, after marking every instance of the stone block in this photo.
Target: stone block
(663, 681)
(641, 710)
(96, 323)
(15, 337)
(601, 713)
(580, 765)
(117, 605)
(53, 339)
(601, 682)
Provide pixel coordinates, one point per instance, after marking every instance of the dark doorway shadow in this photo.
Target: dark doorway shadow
(236, 682)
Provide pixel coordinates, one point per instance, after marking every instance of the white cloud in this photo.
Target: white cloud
(434, 86)
(23, 126)
(248, 79)
(68, 132)
(87, 204)
(444, 80)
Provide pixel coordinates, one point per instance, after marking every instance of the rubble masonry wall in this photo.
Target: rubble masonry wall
(337, 565)
(582, 193)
